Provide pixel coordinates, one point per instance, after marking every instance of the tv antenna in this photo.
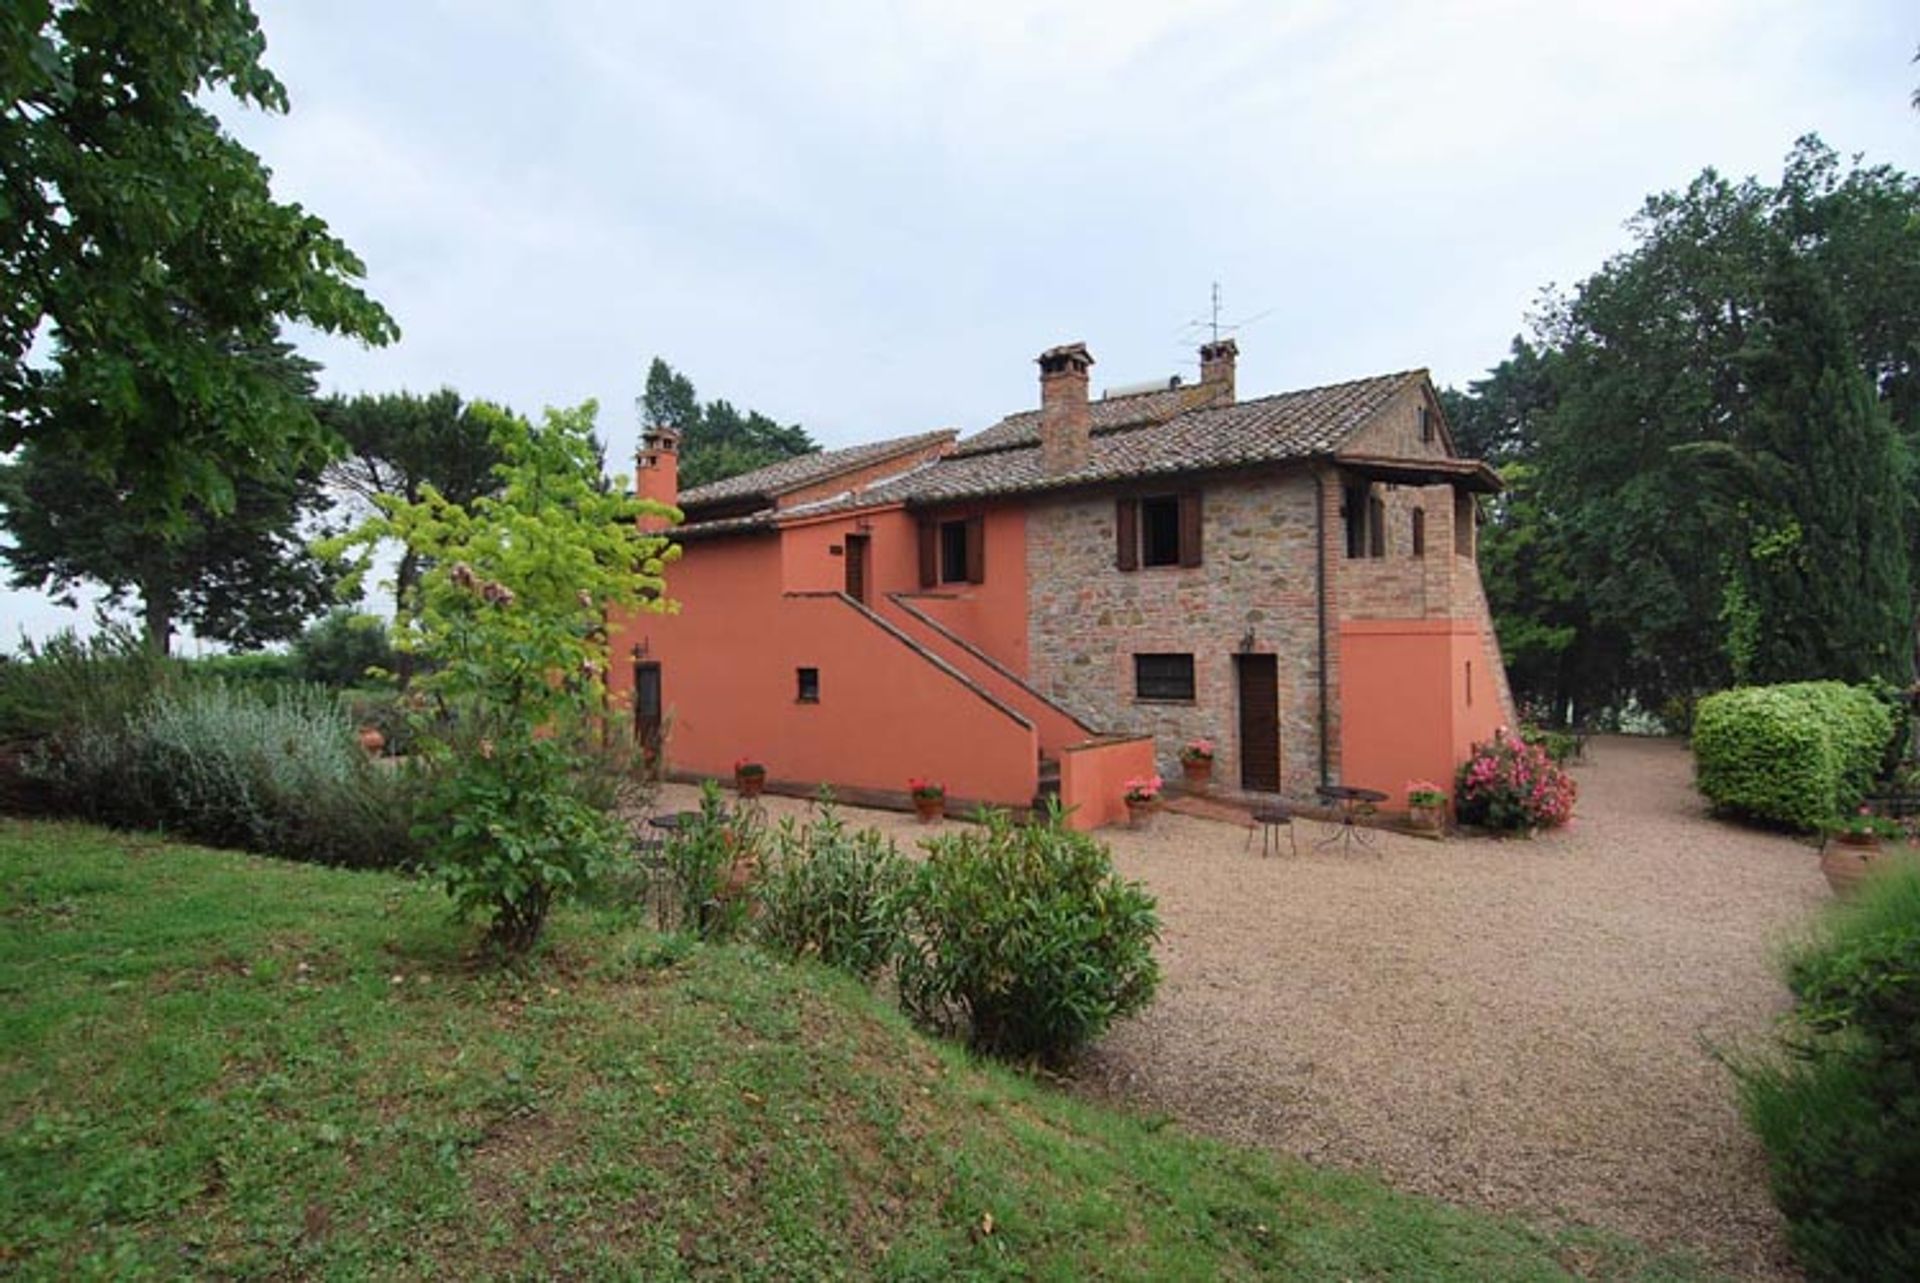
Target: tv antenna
(1211, 324)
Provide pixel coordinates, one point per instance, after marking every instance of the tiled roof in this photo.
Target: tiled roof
(1292, 425)
(1110, 414)
(807, 469)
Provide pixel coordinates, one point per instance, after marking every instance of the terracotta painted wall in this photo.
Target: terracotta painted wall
(992, 615)
(1407, 711)
(1056, 727)
(1093, 779)
(729, 686)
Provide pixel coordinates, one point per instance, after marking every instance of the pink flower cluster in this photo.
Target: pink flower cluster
(1510, 784)
(1144, 788)
(1200, 750)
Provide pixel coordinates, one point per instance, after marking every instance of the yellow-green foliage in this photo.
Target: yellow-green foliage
(1796, 754)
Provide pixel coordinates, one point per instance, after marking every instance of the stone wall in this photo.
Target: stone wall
(1087, 620)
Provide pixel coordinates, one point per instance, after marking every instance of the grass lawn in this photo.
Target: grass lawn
(212, 1063)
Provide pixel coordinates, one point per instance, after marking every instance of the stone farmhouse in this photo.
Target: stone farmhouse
(1065, 598)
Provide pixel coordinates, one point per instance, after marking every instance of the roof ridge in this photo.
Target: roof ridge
(824, 466)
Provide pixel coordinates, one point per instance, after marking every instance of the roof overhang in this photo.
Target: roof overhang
(1463, 474)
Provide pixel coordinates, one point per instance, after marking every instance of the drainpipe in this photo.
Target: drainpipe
(1320, 589)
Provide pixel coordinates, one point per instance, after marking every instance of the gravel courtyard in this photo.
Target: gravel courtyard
(1524, 1026)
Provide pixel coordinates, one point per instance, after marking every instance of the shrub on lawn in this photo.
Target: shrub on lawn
(274, 770)
(1024, 938)
(69, 681)
(1839, 1109)
(1512, 785)
(832, 894)
(705, 894)
(1796, 754)
(339, 648)
(259, 666)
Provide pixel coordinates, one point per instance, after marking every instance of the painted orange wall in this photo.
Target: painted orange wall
(1056, 727)
(1401, 702)
(993, 614)
(1093, 779)
(728, 682)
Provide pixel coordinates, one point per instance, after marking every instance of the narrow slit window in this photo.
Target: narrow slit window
(1419, 532)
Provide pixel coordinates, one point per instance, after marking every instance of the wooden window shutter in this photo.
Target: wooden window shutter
(976, 550)
(929, 553)
(1190, 528)
(1126, 522)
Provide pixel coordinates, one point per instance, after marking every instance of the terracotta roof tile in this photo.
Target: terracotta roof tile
(1110, 414)
(807, 469)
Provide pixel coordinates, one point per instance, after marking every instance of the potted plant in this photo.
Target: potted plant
(1143, 798)
(1196, 763)
(1853, 847)
(1426, 806)
(749, 777)
(929, 799)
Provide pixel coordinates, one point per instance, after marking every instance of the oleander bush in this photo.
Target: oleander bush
(1023, 939)
(1795, 754)
(831, 893)
(1838, 1106)
(1511, 785)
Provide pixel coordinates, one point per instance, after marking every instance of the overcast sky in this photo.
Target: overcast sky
(869, 217)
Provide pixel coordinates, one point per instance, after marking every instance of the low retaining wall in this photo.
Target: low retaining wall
(1094, 774)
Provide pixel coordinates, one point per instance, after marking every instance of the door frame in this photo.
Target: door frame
(1242, 664)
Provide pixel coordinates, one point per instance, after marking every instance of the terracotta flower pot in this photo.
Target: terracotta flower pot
(1140, 814)
(1847, 859)
(930, 809)
(372, 740)
(750, 785)
(1199, 773)
(1427, 819)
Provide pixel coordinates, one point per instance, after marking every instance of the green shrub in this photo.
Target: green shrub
(1025, 939)
(271, 770)
(1839, 1109)
(699, 863)
(340, 648)
(1796, 754)
(1561, 746)
(264, 666)
(69, 682)
(831, 894)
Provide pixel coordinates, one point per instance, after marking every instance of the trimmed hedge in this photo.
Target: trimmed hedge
(1797, 754)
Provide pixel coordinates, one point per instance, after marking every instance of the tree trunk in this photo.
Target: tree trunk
(158, 601)
(406, 580)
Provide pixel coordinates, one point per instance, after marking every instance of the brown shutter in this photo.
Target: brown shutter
(929, 553)
(976, 550)
(1126, 522)
(1190, 528)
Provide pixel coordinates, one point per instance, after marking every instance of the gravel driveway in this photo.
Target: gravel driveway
(1524, 1026)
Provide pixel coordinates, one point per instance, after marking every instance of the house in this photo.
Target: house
(1080, 589)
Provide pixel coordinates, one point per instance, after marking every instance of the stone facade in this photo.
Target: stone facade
(1087, 620)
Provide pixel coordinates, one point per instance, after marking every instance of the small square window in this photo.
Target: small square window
(1168, 677)
(809, 685)
(1160, 531)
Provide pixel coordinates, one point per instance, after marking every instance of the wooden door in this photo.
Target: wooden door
(646, 714)
(1259, 686)
(857, 568)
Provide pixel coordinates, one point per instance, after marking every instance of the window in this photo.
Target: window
(1353, 511)
(1419, 532)
(953, 551)
(1465, 513)
(1168, 677)
(1157, 530)
(1376, 527)
(809, 685)
(1426, 424)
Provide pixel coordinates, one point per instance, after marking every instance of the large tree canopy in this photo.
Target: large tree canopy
(716, 440)
(1717, 434)
(241, 574)
(140, 245)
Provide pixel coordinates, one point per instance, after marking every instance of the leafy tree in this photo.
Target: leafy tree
(143, 242)
(397, 445)
(513, 614)
(716, 440)
(1498, 418)
(339, 648)
(241, 574)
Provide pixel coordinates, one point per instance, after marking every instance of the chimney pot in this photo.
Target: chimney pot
(1216, 366)
(1066, 417)
(656, 473)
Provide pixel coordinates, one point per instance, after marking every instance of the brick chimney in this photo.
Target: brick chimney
(1216, 367)
(656, 473)
(1066, 419)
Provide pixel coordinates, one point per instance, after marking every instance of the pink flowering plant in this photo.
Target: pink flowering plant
(1200, 750)
(1512, 785)
(1424, 793)
(1142, 789)
(925, 790)
(747, 766)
